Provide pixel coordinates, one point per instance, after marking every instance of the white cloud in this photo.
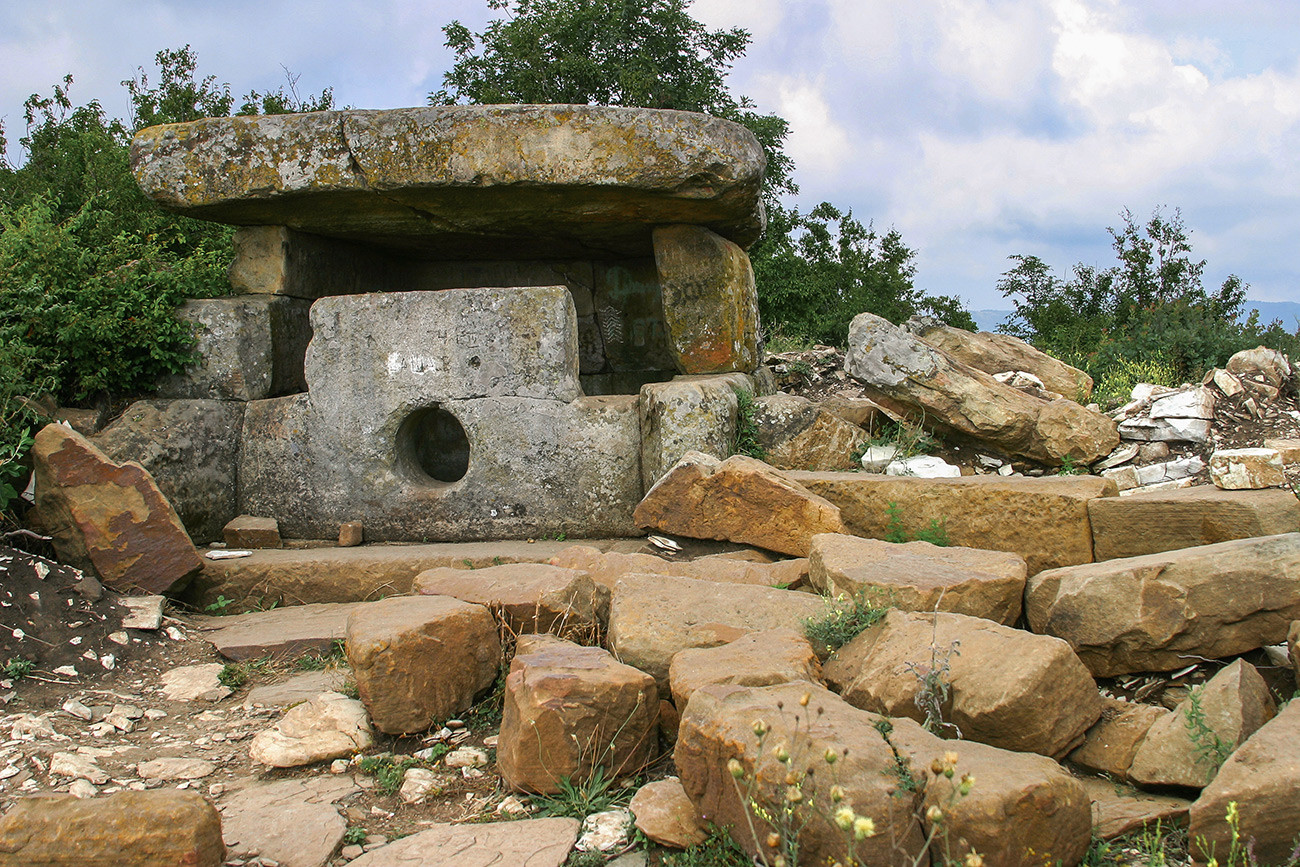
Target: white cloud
(761, 18)
(817, 143)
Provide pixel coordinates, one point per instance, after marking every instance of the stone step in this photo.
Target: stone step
(330, 574)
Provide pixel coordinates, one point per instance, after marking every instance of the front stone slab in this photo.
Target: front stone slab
(710, 303)
(464, 181)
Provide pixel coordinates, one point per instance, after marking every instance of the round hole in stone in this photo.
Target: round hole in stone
(432, 444)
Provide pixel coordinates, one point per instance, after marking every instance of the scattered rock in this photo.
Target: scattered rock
(1246, 469)
(1112, 742)
(330, 726)
(923, 467)
(757, 659)
(143, 612)
(248, 531)
(666, 815)
(740, 499)
(920, 576)
(297, 688)
(1186, 747)
(109, 517)
(161, 828)
(796, 434)
(534, 842)
(1043, 704)
(1261, 779)
(1212, 601)
(175, 768)
(570, 710)
(282, 632)
(417, 784)
(604, 831)
(194, 683)
(531, 597)
(652, 617)
(351, 534)
(420, 658)
(77, 767)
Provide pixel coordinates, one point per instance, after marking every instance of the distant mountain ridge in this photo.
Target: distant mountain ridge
(1287, 311)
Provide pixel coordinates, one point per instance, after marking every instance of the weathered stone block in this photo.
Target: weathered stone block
(608, 567)
(796, 434)
(998, 353)
(249, 347)
(1112, 742)
(1043, 520)
(1212, 601)
(437, 179)
(162, 828)
(1246, 469)
(420, 658)
(1149, 523)
(570, 710)
(710, 304)
(251, 531)
(689, 414)
(531, 597)
(758, 659)
(109, 517)
(191, 448)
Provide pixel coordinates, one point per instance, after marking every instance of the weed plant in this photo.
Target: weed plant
(335, 655)
(746, 441)
(578, 799)
(846, 618)
(1211, 750)
(17, 668)
(936, 533)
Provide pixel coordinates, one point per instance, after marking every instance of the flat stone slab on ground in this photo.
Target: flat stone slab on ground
(297, 688)
(530, 842)
(194, 683)
(282, 632)
(1043, 520)
(293, 822)
(1118, 810)
(300, 576)
(1149, 523)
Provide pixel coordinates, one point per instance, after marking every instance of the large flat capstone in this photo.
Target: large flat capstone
(462, 181)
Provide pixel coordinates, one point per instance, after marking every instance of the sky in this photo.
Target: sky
(978, 128)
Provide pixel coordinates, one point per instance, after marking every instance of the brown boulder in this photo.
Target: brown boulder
(531, 597)
(666, 815)
(1042, 704)
(1156, 521)
(109, 517)
(1261, 779)
(1185, 748)
(606, 568)
(570, 710)
(999, 353)
(418, 659)
(1043, 520)
(907, 375)
(758, 659)
(1112, 742)
(161, 828)
(1212, 601)
(740, 499)
(652, 617)
(796, 434)
(919, 576)
(1119, 810)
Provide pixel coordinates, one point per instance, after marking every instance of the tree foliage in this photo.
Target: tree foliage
(1151, 305)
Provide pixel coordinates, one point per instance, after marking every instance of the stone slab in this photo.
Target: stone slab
(282, 632)
(292, 822)
(528, 842)
(299, 576)
(1149, 523)
(1044, 520)
(464, 181)
(1118, 809)
(297, 688)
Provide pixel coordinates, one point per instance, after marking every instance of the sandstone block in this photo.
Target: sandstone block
(1189, 430)
(250, 531)
(1180, 749)
(740, 499)
(109, 517)
(1149, 523)
(435, 179)
(918, 576)
(685, 415)
(798, 435)
(1261, 364)
(1120, 810)
(652, 617)
(330, 726)
(281, 632)
(912, 377)
(160, 828)
(1196, 402)
(420, 658)
(1246, 469)
(757, 659)
(531, 597)
(570, 710)
(1261, 779)
(1112, 742)
(1287, 449)
(997, 353)
(191, 448)
(531, 842)
(1043, 520)
(1043, 704)
(856, 411)
(1212, 601)
(607, 567)
(293, 822)
(351, 534)
(666, 815)
(710, 304)
(248, 348)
